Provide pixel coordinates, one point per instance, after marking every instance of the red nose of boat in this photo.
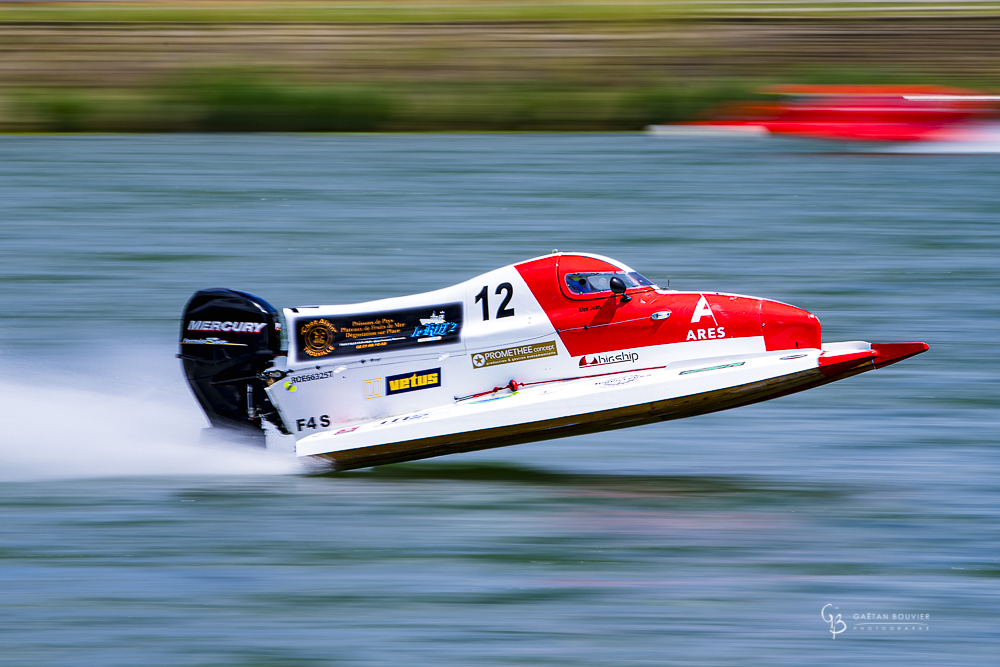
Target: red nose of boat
(787, 327)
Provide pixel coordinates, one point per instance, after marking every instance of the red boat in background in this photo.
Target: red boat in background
(859, 113)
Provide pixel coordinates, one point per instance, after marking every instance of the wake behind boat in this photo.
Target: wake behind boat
(559, 345)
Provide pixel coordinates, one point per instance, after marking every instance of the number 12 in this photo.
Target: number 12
(503, 310)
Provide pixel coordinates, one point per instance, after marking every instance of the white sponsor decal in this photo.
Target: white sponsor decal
(706, 334)
(701, 310)
(234, 327)
(512, 354)
(309, 377)
(495, 398)
(209, 341)
(407, 418)
(620, 381)
(604, 359)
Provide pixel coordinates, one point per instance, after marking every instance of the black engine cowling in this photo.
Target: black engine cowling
(227, 339)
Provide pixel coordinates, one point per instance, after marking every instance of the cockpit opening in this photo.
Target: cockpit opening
(592, 283)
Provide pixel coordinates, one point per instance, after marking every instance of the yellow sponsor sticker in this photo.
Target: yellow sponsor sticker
(373, 388)
(398, 384)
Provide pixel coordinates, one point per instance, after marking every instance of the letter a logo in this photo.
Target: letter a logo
(701, 310)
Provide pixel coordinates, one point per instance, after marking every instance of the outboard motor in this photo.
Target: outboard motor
(228, 338)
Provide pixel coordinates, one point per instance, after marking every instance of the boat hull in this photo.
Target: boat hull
(618, 400)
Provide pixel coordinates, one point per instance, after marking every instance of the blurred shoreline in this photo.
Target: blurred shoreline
(78, 67)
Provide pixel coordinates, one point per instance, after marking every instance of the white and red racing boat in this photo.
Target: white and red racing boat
(559, 345)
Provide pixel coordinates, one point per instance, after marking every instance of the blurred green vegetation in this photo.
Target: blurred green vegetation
(246, 104)
(239, 102)
(218, 103)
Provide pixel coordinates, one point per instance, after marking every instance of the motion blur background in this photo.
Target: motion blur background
(707, 541)
(452, 65)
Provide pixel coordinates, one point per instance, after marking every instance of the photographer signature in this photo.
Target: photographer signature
(833, 621)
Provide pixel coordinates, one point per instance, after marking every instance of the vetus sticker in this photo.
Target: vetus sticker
(509, 355)
(400, 384)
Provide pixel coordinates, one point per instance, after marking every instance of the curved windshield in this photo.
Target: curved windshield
(589, 283)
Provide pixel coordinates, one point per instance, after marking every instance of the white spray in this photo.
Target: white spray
(123, 418)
